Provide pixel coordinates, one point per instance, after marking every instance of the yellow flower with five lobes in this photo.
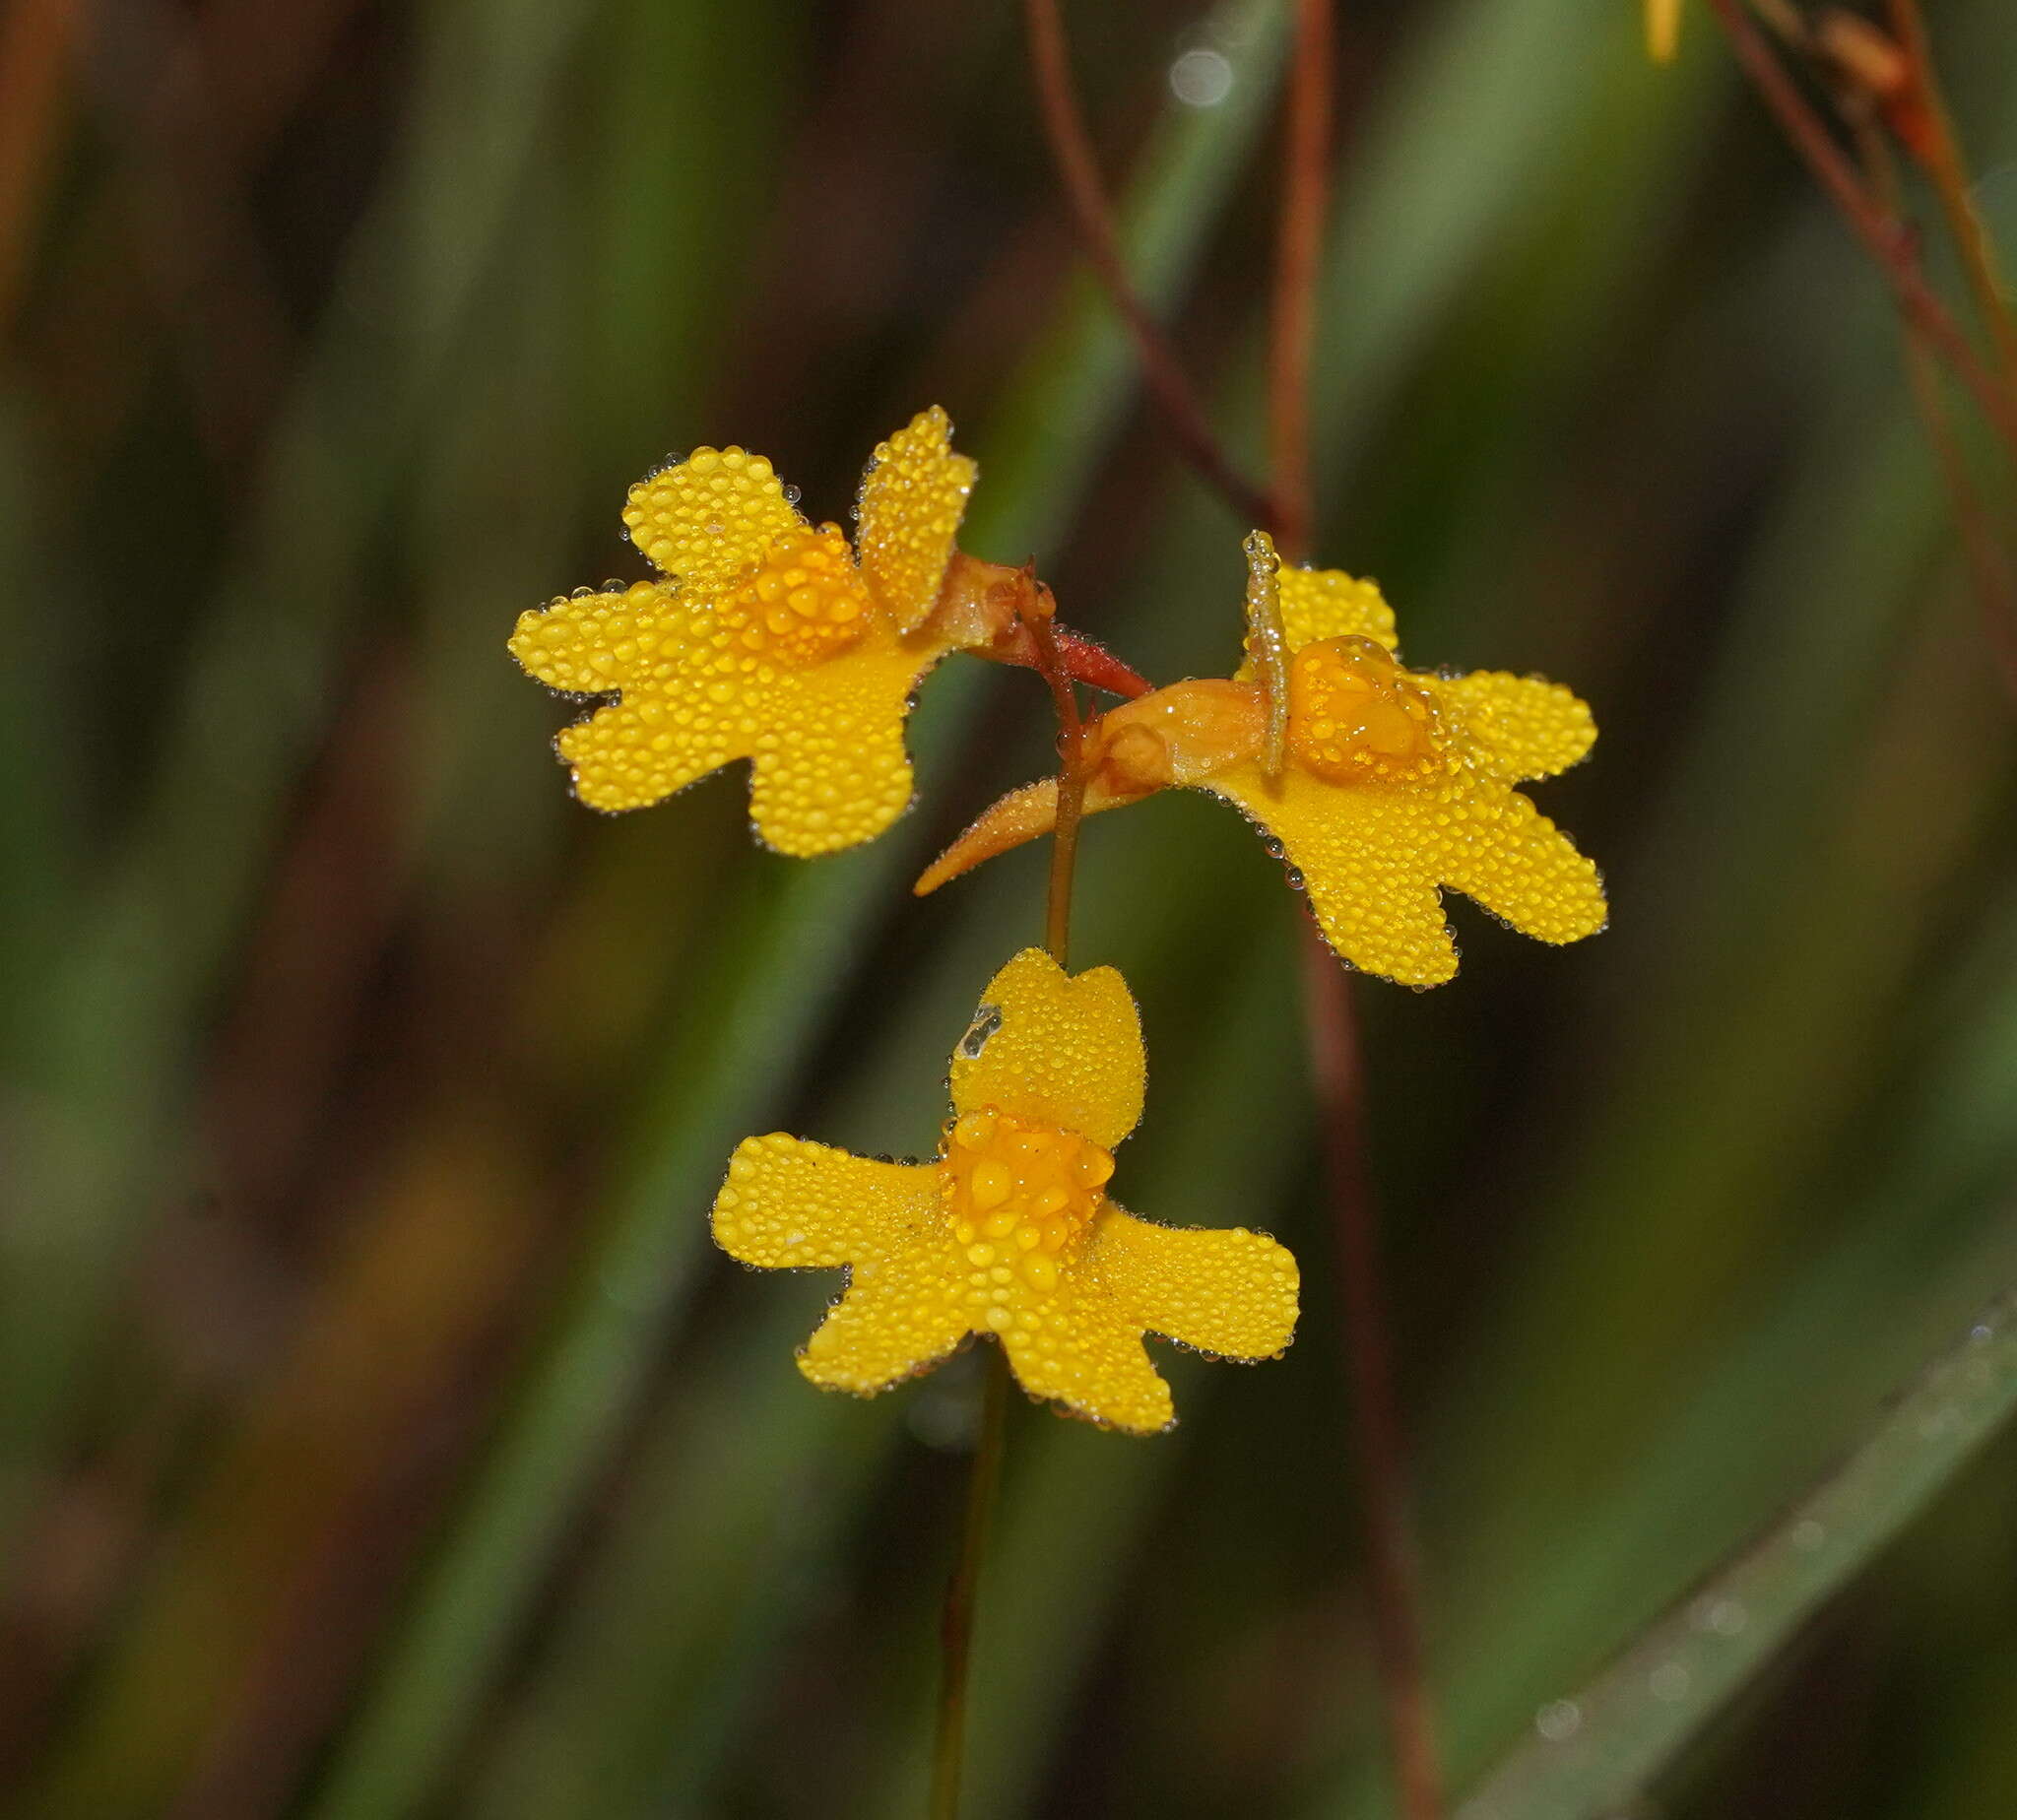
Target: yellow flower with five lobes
(772, 641)
(1377, 783)
(1010, 1233)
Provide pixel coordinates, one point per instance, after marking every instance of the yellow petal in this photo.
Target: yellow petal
(1526, 727)
(1329, 604)
(1055, 1049)
(589, 643)
(904, 1312)
(1228, 1292)
(1370, 876)
(790, 1205)
(1521, 868)
(1087, 1355)
(708, 519)
(913, 498)
(633, 754)
(831, 768)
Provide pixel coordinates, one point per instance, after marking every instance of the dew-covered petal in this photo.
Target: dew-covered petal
(1224, 1291)
(636, 753)
(1318, 604)
(790, 1205)
(708, 519)
(1515, 862)
(902, 1313)
(913, 496)
(591, 643)
(1366, 862)
(1086, 1355)
(1524, 727)
(1055, 1050)
(831, 769)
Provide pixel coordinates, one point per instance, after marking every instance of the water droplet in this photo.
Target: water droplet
(1559, 1720)
(986, 1021)
(1669, 1681)
(1723, 1617)
(1201, 77)
(792, 495)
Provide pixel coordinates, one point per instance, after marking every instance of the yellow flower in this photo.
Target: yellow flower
(767, 639)
(1663, 30)
(1011, 1232)
(1393, 783)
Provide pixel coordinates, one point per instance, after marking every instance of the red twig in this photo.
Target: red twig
(1886, 239)
(1072, 149)
(1299, 246)
(1392, 1569)
(1333, 1033)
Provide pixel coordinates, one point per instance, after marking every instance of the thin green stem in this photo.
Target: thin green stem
(955, 1630)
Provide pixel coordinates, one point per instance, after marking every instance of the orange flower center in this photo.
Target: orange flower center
(1020, 1197)
(804, 601)
(1356, 716)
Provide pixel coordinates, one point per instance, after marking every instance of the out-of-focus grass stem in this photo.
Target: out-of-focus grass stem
(1883, 236)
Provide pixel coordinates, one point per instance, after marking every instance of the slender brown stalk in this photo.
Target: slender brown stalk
(1070, 787)
(1331, 1023)
(1392, 1569)
(34, 48)
(1078, 171)
(1299, 247)
(1989, 563)
(1886, 239)
(955, 1626)
(1937, 148)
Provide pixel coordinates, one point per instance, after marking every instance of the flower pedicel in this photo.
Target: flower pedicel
(1011, 1232)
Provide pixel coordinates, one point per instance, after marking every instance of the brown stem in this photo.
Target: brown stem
(1070, 787)
(1989, 563)
(1883, 235)
(1937, 148)
(1071, 149)
(956, 1625)
(1332, 1033)
(1391, 1561)
(1299, 245)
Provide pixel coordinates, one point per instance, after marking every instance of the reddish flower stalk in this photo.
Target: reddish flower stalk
(1100, 241)
(1884, 237)
(1329, 1016)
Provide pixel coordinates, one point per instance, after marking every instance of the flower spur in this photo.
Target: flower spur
(1377, 784)
(1011, 1232)
(769, 639)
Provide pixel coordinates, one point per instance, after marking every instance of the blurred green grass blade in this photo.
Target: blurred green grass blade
(1598, 1749)
(118, 1017)
(745, 1033)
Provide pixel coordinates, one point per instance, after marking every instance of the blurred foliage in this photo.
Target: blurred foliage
(379, 1435)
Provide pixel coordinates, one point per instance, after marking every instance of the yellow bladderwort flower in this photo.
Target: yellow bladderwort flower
(768, 639)
(1389, 782)
(1663, 30)
(1011, 1232)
